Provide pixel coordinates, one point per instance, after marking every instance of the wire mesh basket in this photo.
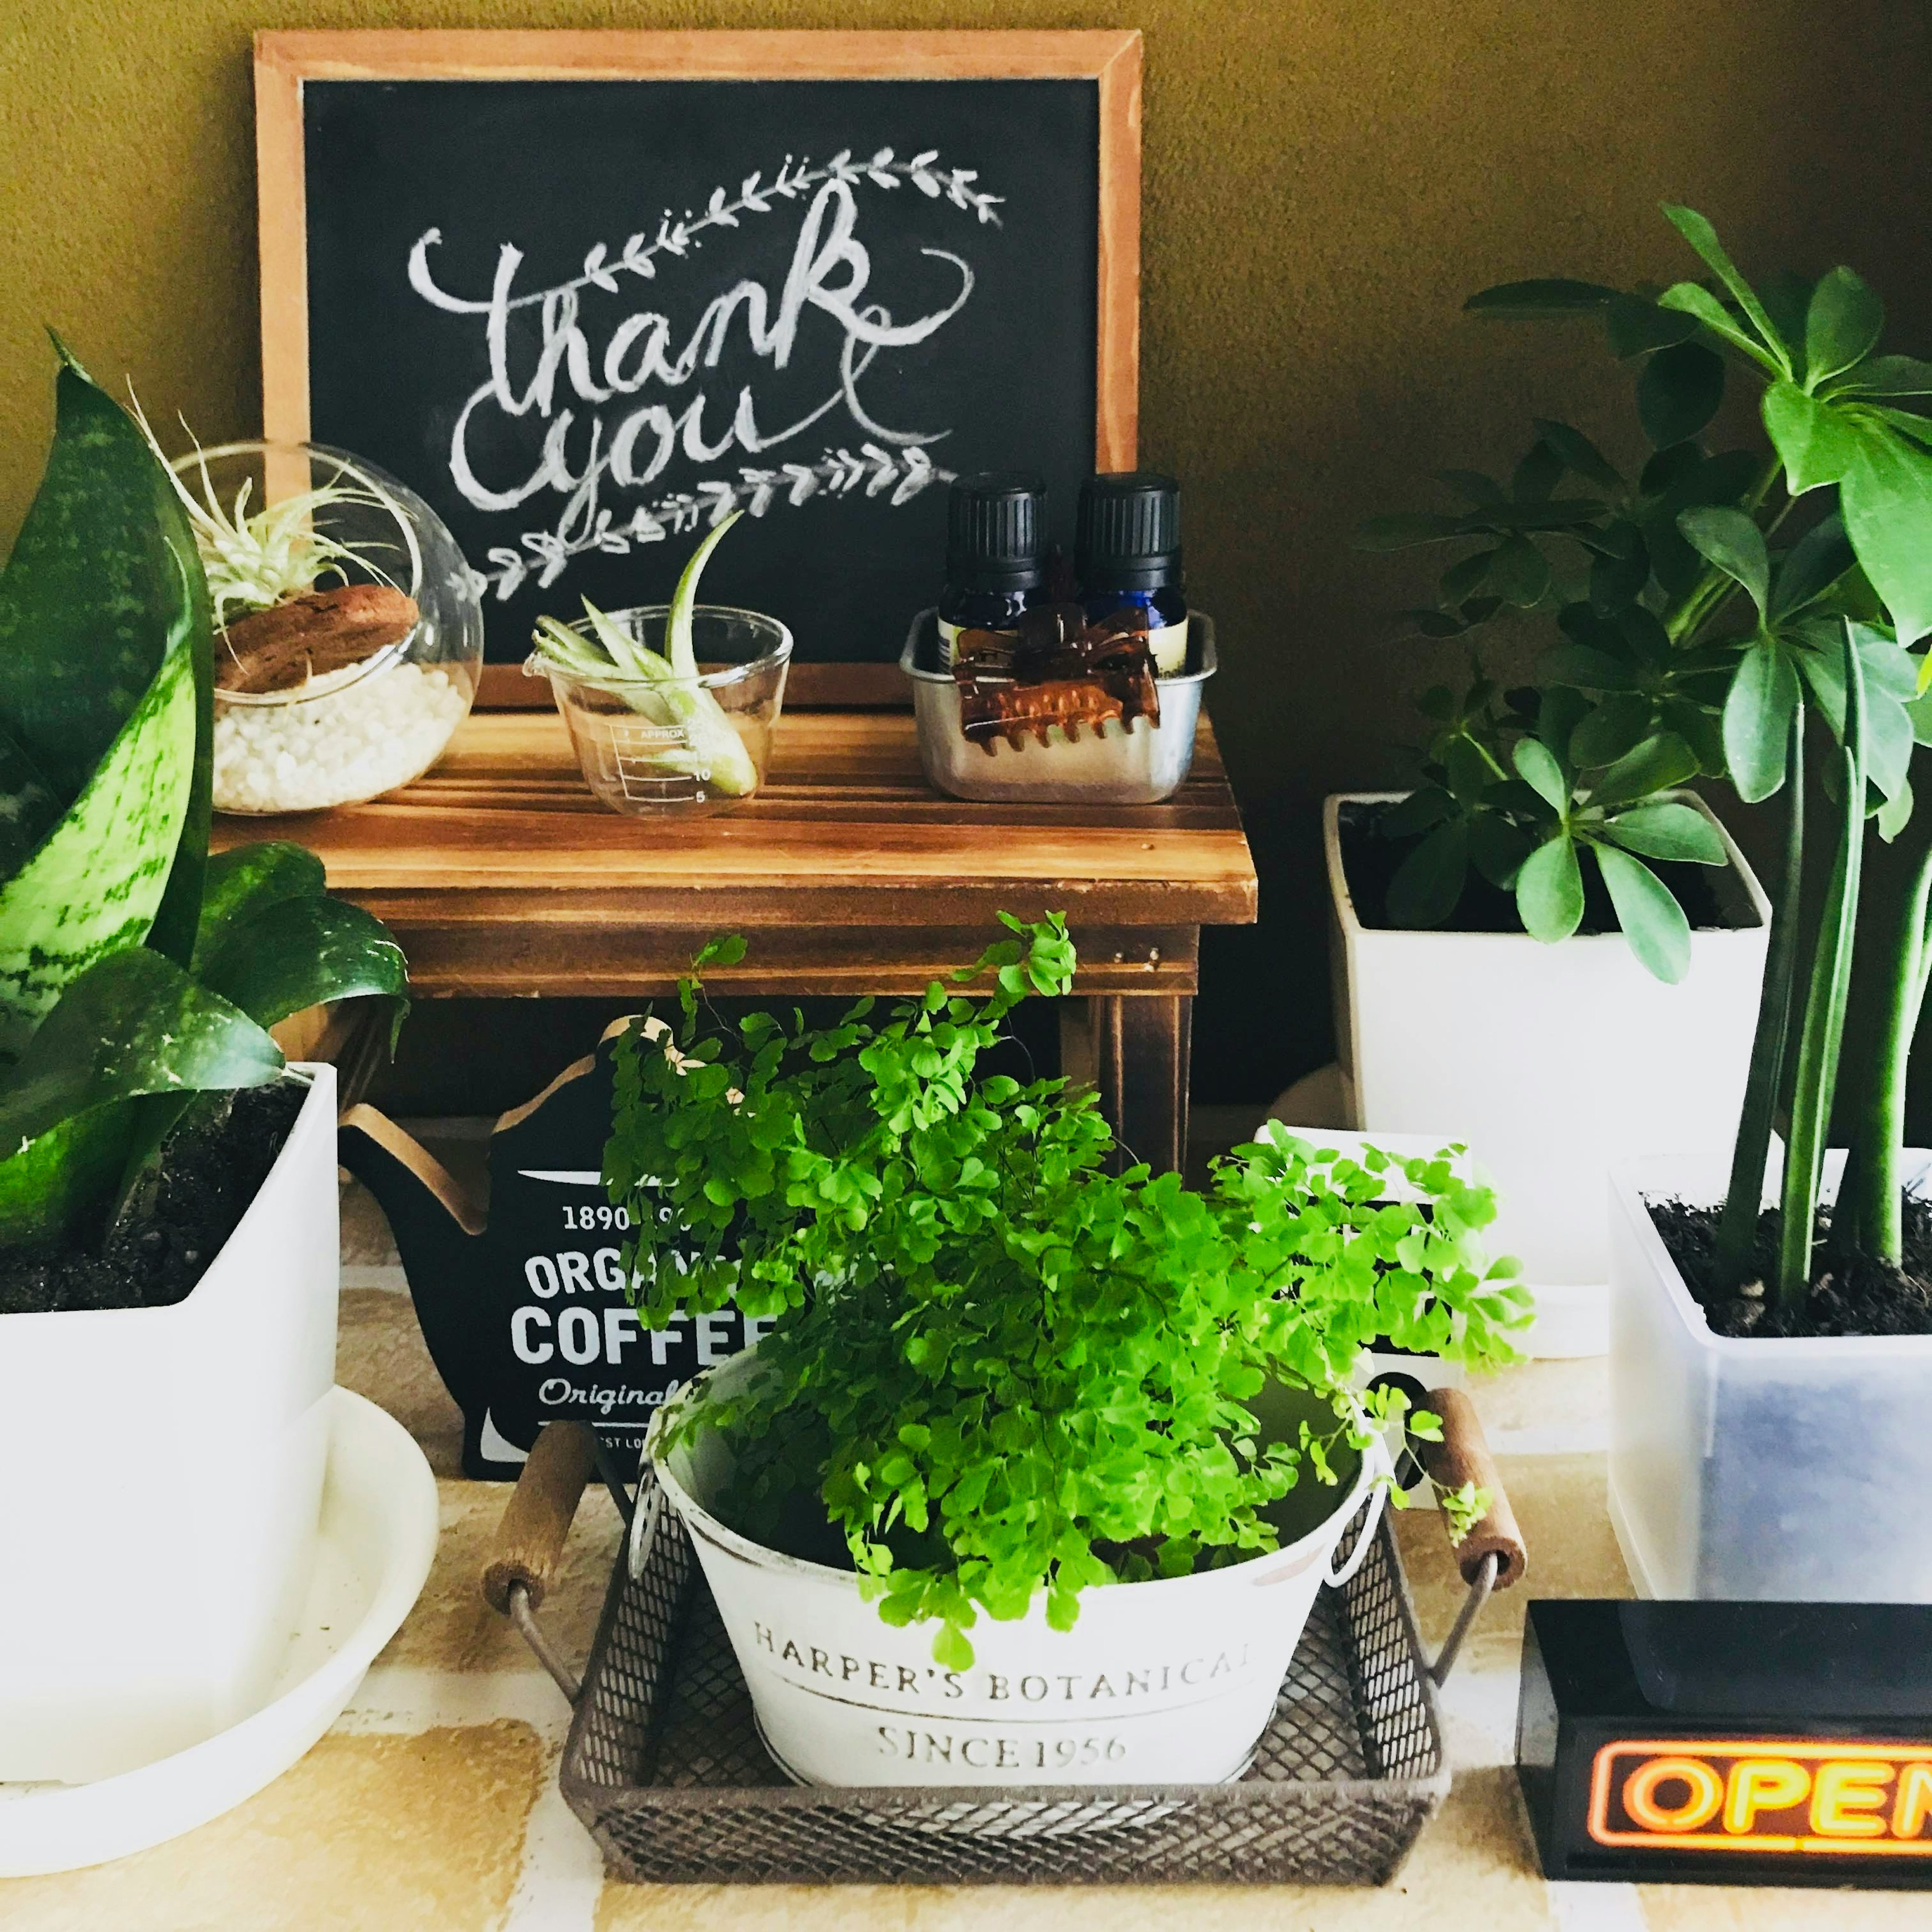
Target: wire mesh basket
(665, 1767)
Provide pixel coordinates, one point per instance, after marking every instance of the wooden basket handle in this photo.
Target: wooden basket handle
(537, 1518)
(1462, 1455)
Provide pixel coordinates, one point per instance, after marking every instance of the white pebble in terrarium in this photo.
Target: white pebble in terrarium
(353, 744)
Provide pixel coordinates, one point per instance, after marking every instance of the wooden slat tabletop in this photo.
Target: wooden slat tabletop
(501, 872)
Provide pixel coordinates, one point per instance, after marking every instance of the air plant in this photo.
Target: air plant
(255, 560)
(666, 688)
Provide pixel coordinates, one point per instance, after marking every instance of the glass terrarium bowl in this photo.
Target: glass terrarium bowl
(653, 749)
(275, 521)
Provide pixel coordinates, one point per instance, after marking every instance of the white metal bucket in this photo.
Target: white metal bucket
(1169, 1682)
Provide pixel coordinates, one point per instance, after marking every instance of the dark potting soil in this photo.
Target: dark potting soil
(1371, 861)
(1862, 1298)
(210, 1168)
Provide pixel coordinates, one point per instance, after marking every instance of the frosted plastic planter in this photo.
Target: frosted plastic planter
(357, 733)
(1550, 1062)
(1780, 1470)
(160, 1487)
(1169, 1682)
(633, 755)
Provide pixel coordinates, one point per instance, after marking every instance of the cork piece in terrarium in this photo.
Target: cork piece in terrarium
(311, 636)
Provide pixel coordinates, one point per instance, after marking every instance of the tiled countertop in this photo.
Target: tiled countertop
(433, 1803)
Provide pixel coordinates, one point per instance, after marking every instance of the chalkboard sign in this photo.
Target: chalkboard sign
(524, 1304)
(589, 293)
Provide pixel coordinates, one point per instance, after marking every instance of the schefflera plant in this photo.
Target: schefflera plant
(1694, 607)
(138, 976)
(998, 1367)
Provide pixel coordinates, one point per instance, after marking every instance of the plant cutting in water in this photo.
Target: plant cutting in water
(1694, 607)
(999, 1368)
(665, 688)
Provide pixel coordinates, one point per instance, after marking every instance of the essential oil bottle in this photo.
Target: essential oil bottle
(995, 524)
(1126, 551)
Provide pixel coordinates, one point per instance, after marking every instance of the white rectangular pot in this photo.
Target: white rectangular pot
(160, 1487)
(1549, 1062)
(1784, 1471)
(1167, 1682)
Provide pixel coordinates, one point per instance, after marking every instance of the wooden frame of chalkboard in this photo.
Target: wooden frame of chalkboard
(296, 379)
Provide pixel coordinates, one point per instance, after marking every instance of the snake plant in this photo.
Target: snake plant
(136, 972)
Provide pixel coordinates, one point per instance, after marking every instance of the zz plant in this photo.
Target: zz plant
(138, 976)
(999, 1368)
(1697, 608)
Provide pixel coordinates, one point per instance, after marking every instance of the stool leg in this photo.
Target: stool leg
(1141, 1043)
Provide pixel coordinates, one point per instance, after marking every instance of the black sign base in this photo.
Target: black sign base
(523, 1299)
(1729, 1744)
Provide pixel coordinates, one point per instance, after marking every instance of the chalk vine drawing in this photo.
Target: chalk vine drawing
(828, 274)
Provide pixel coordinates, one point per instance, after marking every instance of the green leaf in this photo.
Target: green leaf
(1519, 573)
(1473, 486)
(1733, 543)
(1702, 237)
(1670, 831)
(1757, 719)
(1617, 581)
(1656, 765)
(1462, 580)
(1698, 305)
(1810, 567)
(134, 1024)
(1679, 392)
(1425, 808)
(1539, 472)
(1405, 531)
(1428, 882)
(678, 648)
(1618, 725)
(1813, 440)
(1889, 375)
(1579, 455)
(1498, 848)
(1549, 891)
(1589, 669)
(1842, 326)
(94, 884)
(96, 592)
(1537, 765)
(1534, 300)
(1635, 327)
(1886, 497)
(302, 952)
(1466, 769)
(1652, 920)
(1918, 427)
(243, 884)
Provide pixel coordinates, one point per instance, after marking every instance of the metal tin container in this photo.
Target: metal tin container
(1141, 765)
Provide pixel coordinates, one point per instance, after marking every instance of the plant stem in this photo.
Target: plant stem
(1817, 1081)
(1737, 1227)
(1868, 1198)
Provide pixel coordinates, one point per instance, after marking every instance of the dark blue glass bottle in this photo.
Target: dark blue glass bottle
(994, 571)
(1127, 555)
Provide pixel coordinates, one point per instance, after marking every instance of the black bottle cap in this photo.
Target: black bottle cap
(1127, 535)
(993, 525)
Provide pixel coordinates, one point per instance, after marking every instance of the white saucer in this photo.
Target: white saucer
(379, 1528)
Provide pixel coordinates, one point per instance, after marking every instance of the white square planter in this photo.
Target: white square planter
(160, 1487)
(1551, 1062)
(1784, 1471)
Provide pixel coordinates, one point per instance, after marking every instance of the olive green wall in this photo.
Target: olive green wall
(1323, 186)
